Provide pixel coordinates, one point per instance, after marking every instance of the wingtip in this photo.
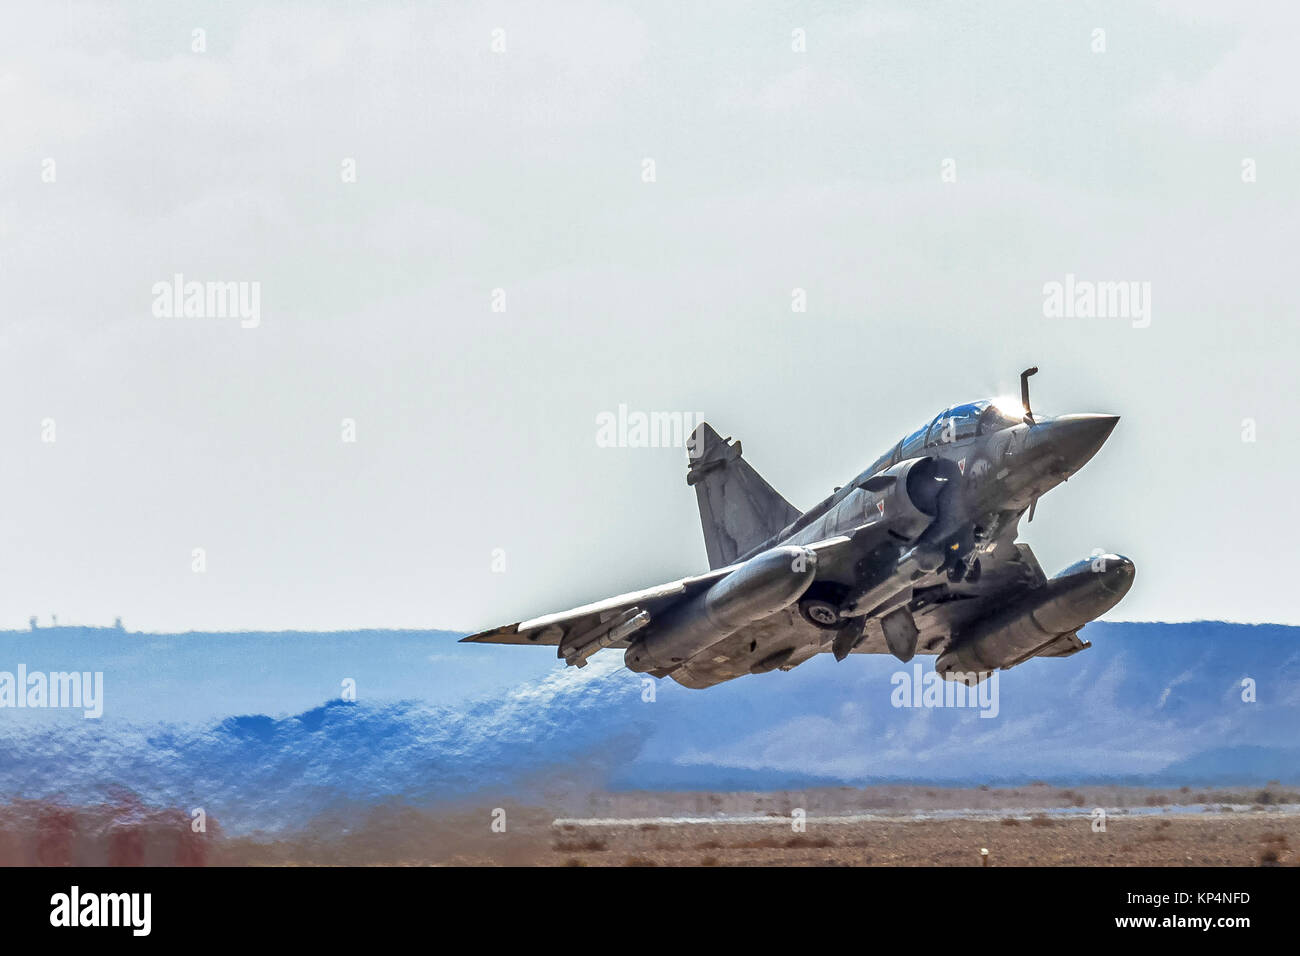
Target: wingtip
(485, 637)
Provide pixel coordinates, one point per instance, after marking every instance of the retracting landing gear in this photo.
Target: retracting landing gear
(820, 607)
(821, 613)
(963, 556)
(960, 571)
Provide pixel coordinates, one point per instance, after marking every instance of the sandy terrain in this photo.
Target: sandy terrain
(1211, 839)
(1037, 825)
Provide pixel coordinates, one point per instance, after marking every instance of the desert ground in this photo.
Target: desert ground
(1036, 825)
(1039, 825)
(1211, 839)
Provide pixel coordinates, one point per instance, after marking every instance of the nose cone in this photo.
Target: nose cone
(1070, 441)
(1117, 575)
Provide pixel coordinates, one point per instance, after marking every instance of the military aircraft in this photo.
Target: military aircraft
(917, 554)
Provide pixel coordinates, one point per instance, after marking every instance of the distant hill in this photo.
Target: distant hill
(219, 721)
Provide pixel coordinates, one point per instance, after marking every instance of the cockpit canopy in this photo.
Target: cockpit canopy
(960, 421)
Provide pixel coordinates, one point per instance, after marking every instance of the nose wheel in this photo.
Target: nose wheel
(959, 571)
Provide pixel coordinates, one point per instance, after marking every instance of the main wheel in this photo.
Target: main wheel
(822, 613)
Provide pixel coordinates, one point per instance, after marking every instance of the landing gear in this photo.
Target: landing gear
(959, 571)
(821, 613)
(820, 607)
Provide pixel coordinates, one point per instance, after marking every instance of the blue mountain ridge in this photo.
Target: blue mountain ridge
(1154, 704)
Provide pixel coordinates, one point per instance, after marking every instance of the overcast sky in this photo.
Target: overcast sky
(523, 170)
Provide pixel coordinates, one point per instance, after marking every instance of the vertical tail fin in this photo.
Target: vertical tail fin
(738, 509)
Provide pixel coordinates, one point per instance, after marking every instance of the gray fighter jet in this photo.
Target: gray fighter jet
(917, 554)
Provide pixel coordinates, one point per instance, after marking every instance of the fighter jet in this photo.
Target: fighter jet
(915, 555)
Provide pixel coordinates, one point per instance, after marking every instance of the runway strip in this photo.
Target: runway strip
(1250, 811)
